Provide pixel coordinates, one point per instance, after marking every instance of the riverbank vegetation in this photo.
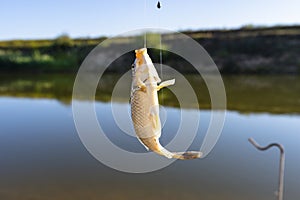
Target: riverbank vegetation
(248, 50)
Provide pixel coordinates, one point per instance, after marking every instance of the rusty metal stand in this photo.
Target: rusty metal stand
(281, 164)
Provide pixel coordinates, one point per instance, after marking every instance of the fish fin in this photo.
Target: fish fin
(154, 117)
(166, 84)
(147, 148)
(155, 121)
(141, 85)
(189, 155)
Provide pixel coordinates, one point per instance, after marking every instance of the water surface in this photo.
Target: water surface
(42, 156)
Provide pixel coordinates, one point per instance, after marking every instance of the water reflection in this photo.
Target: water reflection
(271, 94)
(43, 158)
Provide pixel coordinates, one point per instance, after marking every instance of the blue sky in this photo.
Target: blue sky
(34, 19)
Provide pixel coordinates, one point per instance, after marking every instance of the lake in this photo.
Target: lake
(42, 156)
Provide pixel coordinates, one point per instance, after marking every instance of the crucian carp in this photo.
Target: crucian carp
(145, 106)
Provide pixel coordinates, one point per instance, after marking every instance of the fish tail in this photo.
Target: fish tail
(189, 155)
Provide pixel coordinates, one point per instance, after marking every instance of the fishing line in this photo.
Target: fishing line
(160, 51)
(145, 34)
(160, 65)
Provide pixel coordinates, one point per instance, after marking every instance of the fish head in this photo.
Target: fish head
(143, 67)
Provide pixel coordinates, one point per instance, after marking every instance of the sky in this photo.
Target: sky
(44, 19)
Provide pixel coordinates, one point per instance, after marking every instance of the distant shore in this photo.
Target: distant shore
(248, 50)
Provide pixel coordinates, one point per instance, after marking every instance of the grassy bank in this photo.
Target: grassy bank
(255, 50)
(62, 54)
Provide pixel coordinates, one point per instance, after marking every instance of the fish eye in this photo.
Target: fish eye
(132, 66)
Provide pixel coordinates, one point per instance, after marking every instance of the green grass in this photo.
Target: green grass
(268, 49)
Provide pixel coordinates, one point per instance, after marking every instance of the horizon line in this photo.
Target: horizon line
(245, 27)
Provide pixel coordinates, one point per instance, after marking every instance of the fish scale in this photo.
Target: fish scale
(140, 109)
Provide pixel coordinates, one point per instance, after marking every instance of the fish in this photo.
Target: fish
(145, 106)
